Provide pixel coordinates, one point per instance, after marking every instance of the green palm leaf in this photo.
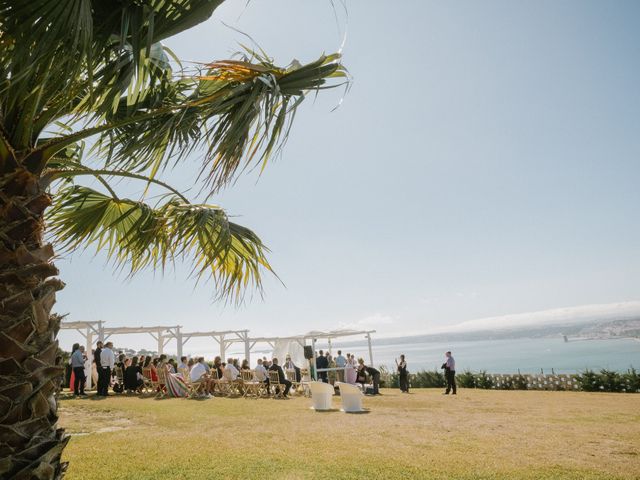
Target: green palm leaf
(141, 236)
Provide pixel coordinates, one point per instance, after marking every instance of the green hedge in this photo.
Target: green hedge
(587, 381)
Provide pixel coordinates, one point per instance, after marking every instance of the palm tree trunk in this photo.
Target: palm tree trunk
(30, 442)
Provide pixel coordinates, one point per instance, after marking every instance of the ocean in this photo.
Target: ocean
(528, 355)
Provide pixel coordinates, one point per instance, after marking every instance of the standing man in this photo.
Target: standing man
(107, 362)
(341, 362)
(450, 374)
(77, 363)
(322, 362)
(96, 360)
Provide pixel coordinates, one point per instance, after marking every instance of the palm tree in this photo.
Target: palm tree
(88, 94)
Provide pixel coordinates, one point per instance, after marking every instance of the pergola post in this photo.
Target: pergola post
(100, 331)
(247, 348)
(370, 349)
(329, 342)
(160, 343)
(178, 335)
(313, 367)
(223, 348)
(87, 370)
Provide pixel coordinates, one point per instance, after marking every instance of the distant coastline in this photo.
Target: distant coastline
(594, 330)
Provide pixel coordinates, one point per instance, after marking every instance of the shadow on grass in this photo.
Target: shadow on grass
(361, 412)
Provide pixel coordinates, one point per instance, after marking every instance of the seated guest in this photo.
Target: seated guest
(230, 373)
(260, 373)
(266, 363)
(175, 385)
(281, 377)
(217, 365)
(120, 364)
(199, 373)
(183, 364)
(154, 369)
(245, 365)
(133, 380)
(172, 364)
(190, 364)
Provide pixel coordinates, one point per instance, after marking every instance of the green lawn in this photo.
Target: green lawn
(479, 434)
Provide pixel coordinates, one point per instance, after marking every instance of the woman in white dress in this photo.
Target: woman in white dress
(351, 373)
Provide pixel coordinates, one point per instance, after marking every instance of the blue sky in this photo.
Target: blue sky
(484, 163)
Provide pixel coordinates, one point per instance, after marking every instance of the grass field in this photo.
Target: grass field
(479, 434)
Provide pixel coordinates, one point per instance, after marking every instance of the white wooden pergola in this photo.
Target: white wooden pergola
(96, 331)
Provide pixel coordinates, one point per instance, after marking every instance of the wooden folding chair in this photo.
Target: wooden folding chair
(193, 388)
(234, 387)
(305, 379)
(148, 385)
(162, 382)
(250, 385)
(291, 376)
(218, 383)
(276, 387)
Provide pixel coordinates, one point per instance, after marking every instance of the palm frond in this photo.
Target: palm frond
(141, 236)
(239, 111)
(57, 54)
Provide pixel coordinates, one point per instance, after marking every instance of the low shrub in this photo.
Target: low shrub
(428, 379)
(388, 379)
(631, 381)
(466, 379)
(610, 381)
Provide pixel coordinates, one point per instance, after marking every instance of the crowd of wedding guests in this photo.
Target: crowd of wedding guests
(122, 373)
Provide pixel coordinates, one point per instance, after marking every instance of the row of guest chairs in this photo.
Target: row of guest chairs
(246, 386)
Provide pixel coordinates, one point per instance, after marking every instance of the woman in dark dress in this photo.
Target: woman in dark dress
(133, 376)
(217, 364)
(403, 373)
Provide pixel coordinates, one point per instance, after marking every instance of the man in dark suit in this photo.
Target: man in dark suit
(96, 358)
(322, 362)
(281, 377)
(374, 373)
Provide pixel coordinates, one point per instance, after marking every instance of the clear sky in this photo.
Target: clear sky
(484, 163)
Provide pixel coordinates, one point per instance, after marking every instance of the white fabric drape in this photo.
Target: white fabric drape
(282, 348)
